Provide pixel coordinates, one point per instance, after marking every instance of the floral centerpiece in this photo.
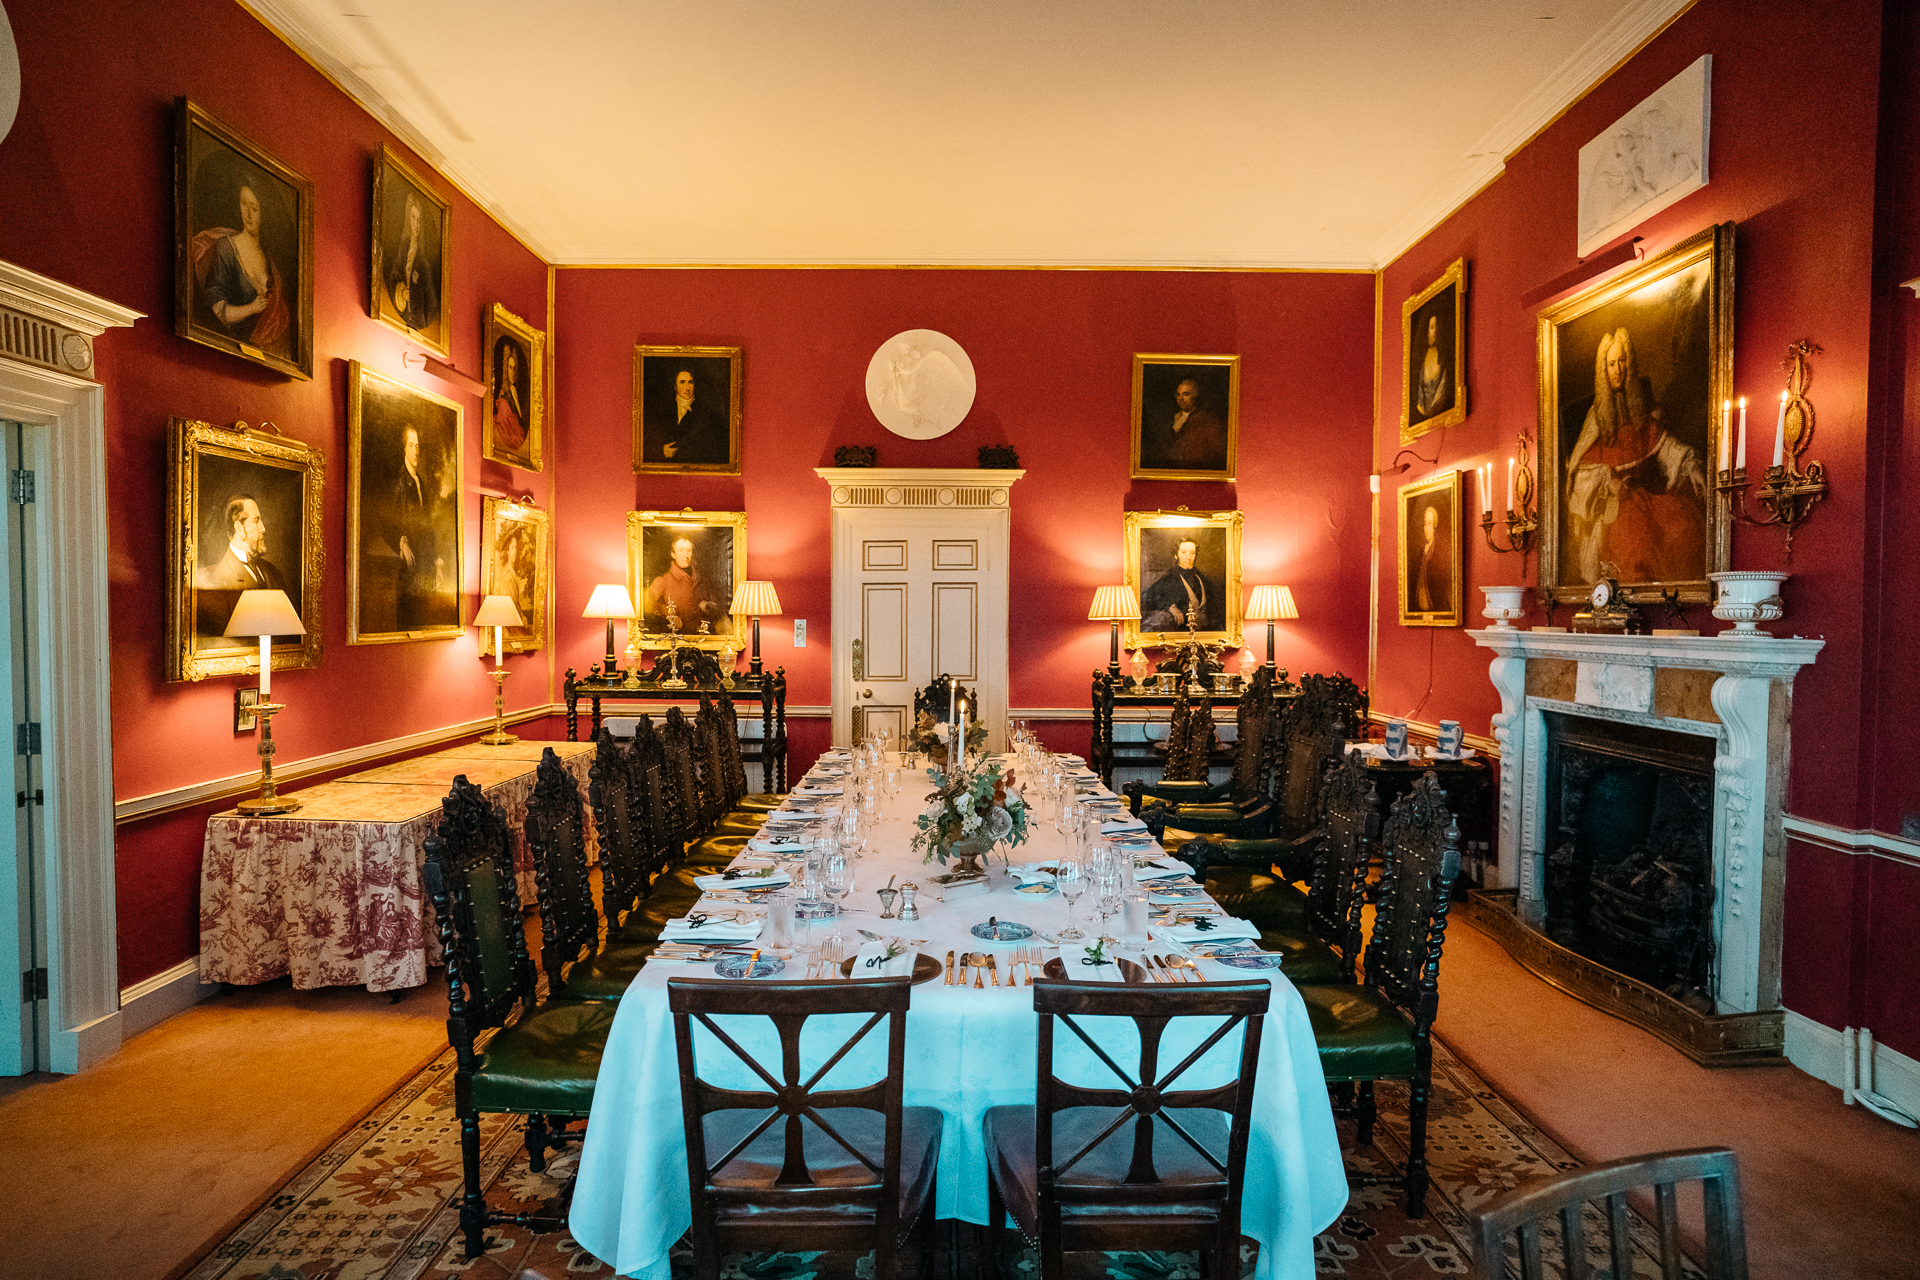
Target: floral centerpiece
(933, 736)
(966, 813)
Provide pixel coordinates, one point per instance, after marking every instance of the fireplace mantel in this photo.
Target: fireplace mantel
(1738, 691)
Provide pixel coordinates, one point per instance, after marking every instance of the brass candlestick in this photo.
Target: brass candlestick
(672, 659)
(1521, 516)
(1786, 491)
(268, 802)
(499, 737)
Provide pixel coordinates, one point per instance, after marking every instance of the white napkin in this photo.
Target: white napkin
(867, 961)
(1222, 928)
(715, 929)
(1161, 869)
(772, 880)
(1118, 826)
(775, 844)
(1031, 873)
(814, 789)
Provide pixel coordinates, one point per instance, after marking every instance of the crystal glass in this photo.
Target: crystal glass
(1070, 879)
(837, 877)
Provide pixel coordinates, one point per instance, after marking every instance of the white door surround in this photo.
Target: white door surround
(1739, 692)
(920, 559)
(49, 329)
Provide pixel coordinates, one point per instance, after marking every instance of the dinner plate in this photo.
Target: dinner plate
(1249, 962)
(1130, 973)
(925, 968)
(736, 966)
(1178, 891)
(1003, 931)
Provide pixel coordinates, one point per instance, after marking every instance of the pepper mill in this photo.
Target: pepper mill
(908, 911)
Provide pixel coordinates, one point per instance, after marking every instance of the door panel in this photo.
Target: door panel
(878, 555)
(953, 556)
(956, 630)
(883, 629)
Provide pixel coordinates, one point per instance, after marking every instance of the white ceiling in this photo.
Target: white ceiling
(1230, 133)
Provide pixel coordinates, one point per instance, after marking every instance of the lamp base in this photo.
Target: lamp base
(499, 737)
(267, 806)
(268, 803)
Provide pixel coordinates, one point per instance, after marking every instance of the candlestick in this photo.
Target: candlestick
(1726, 433)
(497, 645)
(1509, 485)
(1780, 433)
(266, 668)
(1486, 486)
(1740, 450)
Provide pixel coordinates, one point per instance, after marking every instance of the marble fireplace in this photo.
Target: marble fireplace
(1718, 712)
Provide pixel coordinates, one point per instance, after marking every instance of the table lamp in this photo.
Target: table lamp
(609, 600)
(265, 613)
(1115, 605)
(756, 600)
(1266, 604)
(499, 613)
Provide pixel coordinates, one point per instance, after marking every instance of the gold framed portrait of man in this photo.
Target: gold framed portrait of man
(513, 563)
(681, 570)
(686, 410)
(1184, 567)
(1186, 417)
(404, 531)
(1433, 339)
(412, 257)
(1430, 552)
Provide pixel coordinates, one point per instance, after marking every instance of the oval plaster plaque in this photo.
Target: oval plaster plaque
(920, 384)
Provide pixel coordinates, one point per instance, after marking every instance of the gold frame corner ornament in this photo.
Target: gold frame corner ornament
(1449, 482)
(441, 341)
(495, 321)
(1456, 275)
(1135, 423)
(1233, 522)
(638, 522)
(494, 513)
(736, 381)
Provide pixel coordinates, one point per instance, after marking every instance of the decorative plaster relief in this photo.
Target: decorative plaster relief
(1616, 685)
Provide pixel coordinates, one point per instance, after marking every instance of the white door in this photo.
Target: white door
(24, 1044)
(919, 591)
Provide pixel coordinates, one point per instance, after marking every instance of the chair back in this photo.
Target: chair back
(469, 875)
(662, 830)
(1335, 885)
(1421, 843)
(681, 774)
(1316, 734)
(624, 877)
(1189, 738)
(1527, 1207)
(710, 760)
(1253, 748)
(1101, 758)
(734, 770)
(793, 1102)
(1147, 1099)
(556, 839)
(935, 698)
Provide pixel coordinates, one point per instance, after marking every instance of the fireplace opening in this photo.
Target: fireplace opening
(1629, 851)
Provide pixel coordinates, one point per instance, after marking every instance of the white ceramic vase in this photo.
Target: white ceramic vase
(1504, 604)
(1747, 597)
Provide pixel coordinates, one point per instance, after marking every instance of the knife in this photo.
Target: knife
(993, 969)
(949, 968)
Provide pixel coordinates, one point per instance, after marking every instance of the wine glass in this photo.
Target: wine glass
(1069, 878)
(838, 876)
(1110, 887)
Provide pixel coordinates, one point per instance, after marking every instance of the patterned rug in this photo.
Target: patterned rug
(382, 1203)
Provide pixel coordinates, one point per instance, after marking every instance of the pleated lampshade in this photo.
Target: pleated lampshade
(499, 611)
(609, 600)
(755, 600)
(1267, 604)
(1114, 604)
(264, 612)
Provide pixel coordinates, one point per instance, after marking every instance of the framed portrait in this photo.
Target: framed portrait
(243, 513)
(403, 511)
(513, 563)
(513, 362)
(681, 567)
(1433, 338)
(1631, 372)
(1430, 570)
(412, 257)
(1186, 417)
(686, 410)
(1185, 568)
(243, 247)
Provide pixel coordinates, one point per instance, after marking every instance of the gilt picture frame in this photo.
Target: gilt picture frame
(1433, 345)
(410, 265)
(686, 410)
(1430, 552)
(693, 559)
(405, 563)
(1186, 417)
(515, 562)
(243, 512)
(1626, 480)
(513, 357)
(1170, 591)
(243, 246)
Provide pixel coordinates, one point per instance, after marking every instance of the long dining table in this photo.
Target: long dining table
(969, 1047)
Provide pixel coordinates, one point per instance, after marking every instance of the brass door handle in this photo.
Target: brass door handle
(859, 661)
(866, 693)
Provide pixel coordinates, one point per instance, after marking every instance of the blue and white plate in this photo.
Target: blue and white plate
(1002, 931)
(736, 966)
(1217, 950)
(1249, 962)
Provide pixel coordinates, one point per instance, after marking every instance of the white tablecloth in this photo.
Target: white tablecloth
(967, 1050)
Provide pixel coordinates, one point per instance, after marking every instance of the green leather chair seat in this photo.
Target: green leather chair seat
(1259, 896)
(759, 802)
(717, 851)
(546, 1062)
(1360, 1034)
(607, 975)
(1306, 959)
(739, 822)
(671, 898)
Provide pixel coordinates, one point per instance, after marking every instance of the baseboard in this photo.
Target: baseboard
(1818, 1050)
(153, 1000)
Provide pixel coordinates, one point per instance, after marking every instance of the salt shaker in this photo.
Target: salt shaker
(886, 902)
(908, 911)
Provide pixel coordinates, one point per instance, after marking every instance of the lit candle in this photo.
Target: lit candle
(1509, 486)
(1486, 487)
(497, 645)
(1726, 432)
(266, 668)
(1780, 433)
(960, 736)
(1740, 454)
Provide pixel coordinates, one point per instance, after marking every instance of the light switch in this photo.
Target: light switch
(799, 633)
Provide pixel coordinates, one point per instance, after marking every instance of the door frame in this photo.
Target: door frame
(978, 501)
(69, 515)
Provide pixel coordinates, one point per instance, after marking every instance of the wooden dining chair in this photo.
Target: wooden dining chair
(1144, 1165)
(1527, 1209)
(543, 1057)
(802, 1164)
(577, 954)
(746, 801)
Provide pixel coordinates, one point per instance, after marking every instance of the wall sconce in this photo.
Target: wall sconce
(1114, 605)
(499, 613)
(1788, 492)
(609, 600)
(265, 613)
(1522, 508)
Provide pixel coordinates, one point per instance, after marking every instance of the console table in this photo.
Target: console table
(1111, 694)
(767, 690)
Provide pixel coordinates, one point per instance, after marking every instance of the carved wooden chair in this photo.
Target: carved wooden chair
(659, 835)
(1241, 806)
(744, 802)
(1145, 1164)
(935, 698)
(1526, 1209)
(1381, 1028)
(625, 876)
(543, 1058)
(797, 1165)
(571, 929)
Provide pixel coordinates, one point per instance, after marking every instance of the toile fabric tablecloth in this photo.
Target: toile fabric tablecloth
(331, 894)
(968, 1049)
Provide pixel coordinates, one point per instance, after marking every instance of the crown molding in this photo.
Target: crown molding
(37, 295)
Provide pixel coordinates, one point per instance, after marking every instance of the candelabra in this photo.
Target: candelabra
(1788, 492)
(1522, 510)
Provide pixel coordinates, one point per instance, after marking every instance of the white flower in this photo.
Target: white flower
(999, 824)
(970, 823)
(943, 731)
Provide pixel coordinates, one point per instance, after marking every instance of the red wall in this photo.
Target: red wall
(1797, 171)
(1052, 352)
(86, 186)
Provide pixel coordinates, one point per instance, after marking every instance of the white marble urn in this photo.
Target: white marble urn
(1504, 604)
(1747, 597)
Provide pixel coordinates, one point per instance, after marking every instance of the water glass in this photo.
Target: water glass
(780, 923)
(837, 877)
(1070, 879)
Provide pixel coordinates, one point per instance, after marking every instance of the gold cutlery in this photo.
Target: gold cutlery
(949, 968)
(1190, 967)
(994, 969)
(978, 962)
